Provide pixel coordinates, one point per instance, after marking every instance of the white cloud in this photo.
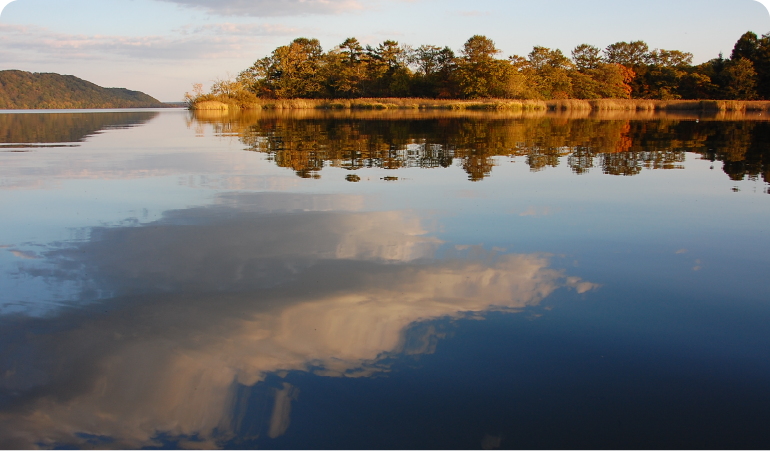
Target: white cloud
(473, 13)
(264, 8)
(211, 41)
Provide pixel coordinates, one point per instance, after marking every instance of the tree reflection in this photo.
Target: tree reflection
(65, 127)
(616, 145)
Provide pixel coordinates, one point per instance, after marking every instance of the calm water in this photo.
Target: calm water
(384, 280)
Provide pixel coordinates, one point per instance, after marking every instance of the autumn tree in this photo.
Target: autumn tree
(291, 71)
(635, 56)
(621, 70)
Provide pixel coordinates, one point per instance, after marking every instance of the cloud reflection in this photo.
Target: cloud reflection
(210, 299)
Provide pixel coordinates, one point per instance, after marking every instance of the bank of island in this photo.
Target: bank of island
(28, 90)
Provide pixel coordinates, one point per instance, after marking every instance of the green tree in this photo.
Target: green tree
(629, 54)
(669, 58)
(479, 73)
(740, 80)
(434, 71)
(761, 63)
(388, 69)
(665, 71)
(346, 70)
(548, 71)
(746, 47)
(757, 50)
(586, 57)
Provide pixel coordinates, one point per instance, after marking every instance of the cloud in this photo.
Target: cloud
(538, 211)
(218, 297)
(190, 42)
(279, 420)
(236, 29)
(265, 8)
(473, 13)
(26, 255)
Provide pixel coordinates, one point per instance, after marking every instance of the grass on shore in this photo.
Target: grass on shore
(374, 104)
(659, 105)
(226, 104)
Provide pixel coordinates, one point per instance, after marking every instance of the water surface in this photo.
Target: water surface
(383, 280)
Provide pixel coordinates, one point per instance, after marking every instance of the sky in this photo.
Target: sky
(162, 47)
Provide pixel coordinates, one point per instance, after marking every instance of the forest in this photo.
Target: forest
(623, 70)
(27, 90)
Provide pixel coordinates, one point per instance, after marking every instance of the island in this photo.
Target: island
(622, 76)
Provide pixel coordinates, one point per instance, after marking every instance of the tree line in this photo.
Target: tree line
(302, 69)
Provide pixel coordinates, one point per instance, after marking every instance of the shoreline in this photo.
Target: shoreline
(487, 105)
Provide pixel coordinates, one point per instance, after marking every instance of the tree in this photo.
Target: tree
(548, 71)
(434, 67)
(346, 69)
(740, 78)
(665, 71)
(669, 58)
(388, 69)
(427, 59)
(479, 73)
(757, 50)
(586, 57)
(761, 63)
(635, 56)
(291, 71)
(746, 47)
(629, 54)
(606, 81)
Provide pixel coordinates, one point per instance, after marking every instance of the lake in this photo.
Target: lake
(376, 279)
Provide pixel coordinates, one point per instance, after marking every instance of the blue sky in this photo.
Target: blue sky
(161, 47)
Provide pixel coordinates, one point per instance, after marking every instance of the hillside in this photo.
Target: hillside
(27, 90)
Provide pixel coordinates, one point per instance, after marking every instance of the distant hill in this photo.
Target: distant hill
(27, 90)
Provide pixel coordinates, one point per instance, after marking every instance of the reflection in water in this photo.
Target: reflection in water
(23, 130)
(618, 143)
(210, 300)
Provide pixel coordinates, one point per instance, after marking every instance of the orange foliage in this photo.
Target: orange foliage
(628, 76)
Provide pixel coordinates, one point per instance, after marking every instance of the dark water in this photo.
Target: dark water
(384, 280)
